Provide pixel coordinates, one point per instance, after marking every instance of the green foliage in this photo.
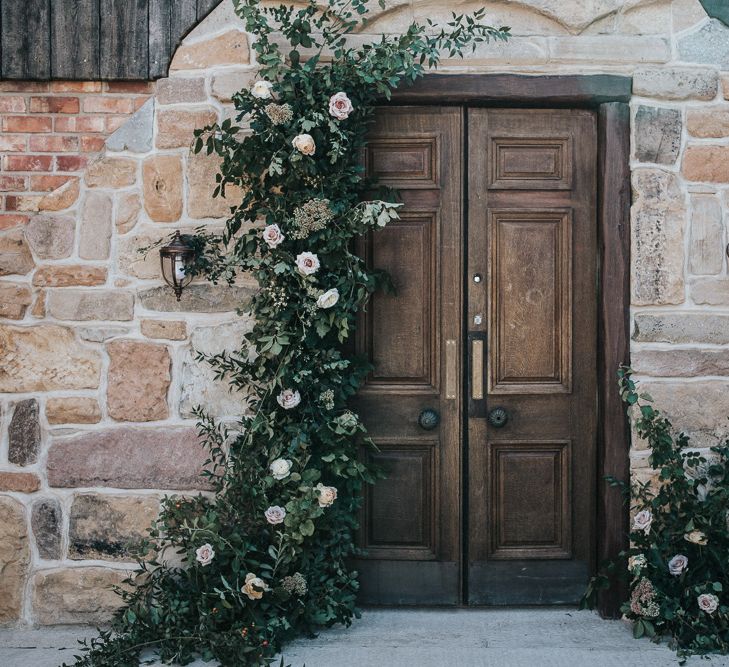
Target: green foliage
(679, 539)
(264, 557)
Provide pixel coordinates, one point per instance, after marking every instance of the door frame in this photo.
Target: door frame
(608, 95)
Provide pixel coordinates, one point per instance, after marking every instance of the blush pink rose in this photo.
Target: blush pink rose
(304, 143)
(288, 399)
(275, 515)
(708, 603)
(340, 106)
(273, 236)
(307, 263)
(327, 495)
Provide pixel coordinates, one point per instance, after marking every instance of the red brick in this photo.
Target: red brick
(54, 105)
(71, 162)
(129, 87)
(113, 123)
(79, 124)
(12, 183)
(53, 144)
(76, 86)
(13, 142)
(12, 104)
(108, 105)
(139, 102)
(23, 86)
(9, 220)
(91, 144)
(28, 162)
(47, 182)
(27, 124)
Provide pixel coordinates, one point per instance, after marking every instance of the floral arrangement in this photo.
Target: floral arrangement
(678, 560)
(264, 557)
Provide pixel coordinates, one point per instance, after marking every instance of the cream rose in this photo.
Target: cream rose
(636, 563)
(254, 587)
(327, 494)
(289, 398)
(262, 89)
(678, 565)
(307, 263)
(304, 143)
(340, 106)
(275, 515)
(205, 554)
(696, 537)
(273, 236)
(328, 299)
(708, 603)
(642, 521)
(280, 468)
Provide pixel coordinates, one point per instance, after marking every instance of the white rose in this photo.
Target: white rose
(304, 143)
(340, 106)
(328, 299)
(678, 564)
(307, 263)
(708, 603)
(254, 587)
(636, 563)
(696, 537)
(642, 521)
(275, 515)
(273, 236)
(289, 398)
(280, 468)
(204, 554)
(327, 494)
(262, 89)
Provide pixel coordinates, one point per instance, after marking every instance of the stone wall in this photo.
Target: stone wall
(97, 372)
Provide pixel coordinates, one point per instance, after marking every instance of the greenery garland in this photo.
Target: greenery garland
(677, 563)
(264, 558)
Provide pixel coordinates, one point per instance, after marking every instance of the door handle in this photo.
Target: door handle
(477, 369)
(498, 417)
(428, 419)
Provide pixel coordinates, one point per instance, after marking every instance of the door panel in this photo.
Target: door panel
(410, 524)
(532, 237)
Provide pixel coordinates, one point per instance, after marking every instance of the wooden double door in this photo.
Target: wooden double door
(483, 399)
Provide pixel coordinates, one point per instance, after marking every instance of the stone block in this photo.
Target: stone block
(111, 172)
(708, 122)
(129, 458)
(657, 134)
(14, 300)
(20, 482)
(14, 559)
(24, 433)
(199, 386)
(46, 358)
(706, 246)
(69, 275)
(82, 305)
(707, 164)
(181, 90)
(61, 198)
(709, 45)
(101, 334)
(132, 262)
(164, 329)
(658, 224)
(46, 522)
(607, 49)
(675, 83)
(201, 172)
(162, 181)
(95, 236)
(689, 327)
(109, 527)
(138, 380)
(175, 127)
(51, 236)
(76, 595)
(710, 291)
(230, 48)
(197, 298)
(135, 135)
(15, 257)
(681, 362)
(73, 410)
(228, 82)
(127, 211)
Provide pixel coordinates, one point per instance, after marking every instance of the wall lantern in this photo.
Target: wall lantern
(175, 257)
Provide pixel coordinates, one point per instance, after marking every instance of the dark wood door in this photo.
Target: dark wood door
(411, 520)
(532, 339)
(521, 337)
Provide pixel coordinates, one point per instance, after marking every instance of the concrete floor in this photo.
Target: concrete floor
(424, 638)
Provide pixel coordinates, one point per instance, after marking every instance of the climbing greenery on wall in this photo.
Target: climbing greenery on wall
(265, 557)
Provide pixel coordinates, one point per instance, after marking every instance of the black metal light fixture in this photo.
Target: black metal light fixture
(175, 258)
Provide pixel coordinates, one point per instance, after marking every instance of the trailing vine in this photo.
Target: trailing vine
(264, 557)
